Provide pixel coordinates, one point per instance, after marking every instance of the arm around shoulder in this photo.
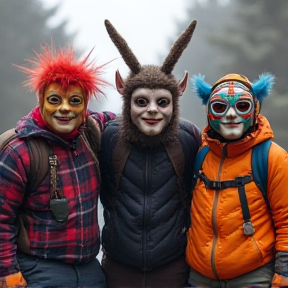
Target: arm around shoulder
(101, 117)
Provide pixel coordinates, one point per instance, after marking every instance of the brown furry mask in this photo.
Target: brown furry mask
(151, 77)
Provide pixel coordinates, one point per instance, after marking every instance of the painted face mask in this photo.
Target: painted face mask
(63, 110)
(233, 102)
(231, 110)
(151, 110)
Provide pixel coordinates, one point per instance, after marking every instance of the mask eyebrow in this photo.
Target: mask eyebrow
(52, 92)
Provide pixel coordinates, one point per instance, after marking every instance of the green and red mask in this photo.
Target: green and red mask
(231, 109)
(233, 102)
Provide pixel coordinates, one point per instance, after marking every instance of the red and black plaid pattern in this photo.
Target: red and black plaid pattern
(75, 241)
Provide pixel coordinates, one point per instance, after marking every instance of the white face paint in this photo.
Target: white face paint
(231, 125)
(151, 110)
(231, 110)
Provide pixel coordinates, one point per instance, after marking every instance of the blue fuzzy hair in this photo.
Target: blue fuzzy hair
(201, 88)
(261, 87)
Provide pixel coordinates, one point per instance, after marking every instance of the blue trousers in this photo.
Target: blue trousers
(44, 273)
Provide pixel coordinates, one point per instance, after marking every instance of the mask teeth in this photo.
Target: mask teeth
(123, 48)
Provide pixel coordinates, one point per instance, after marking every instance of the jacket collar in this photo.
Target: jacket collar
(235, 148)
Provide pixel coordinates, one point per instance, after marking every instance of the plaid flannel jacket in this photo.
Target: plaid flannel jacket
(75, 241)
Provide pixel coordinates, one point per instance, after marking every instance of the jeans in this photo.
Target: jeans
(44, 273)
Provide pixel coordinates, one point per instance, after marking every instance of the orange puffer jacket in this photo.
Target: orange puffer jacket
(217, 247)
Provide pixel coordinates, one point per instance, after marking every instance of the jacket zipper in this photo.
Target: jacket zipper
(214, 215)
(147, 174)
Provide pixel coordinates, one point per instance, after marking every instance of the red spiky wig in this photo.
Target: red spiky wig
(62, 67)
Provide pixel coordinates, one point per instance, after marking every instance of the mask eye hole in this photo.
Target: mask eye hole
(163, 102)
(218, 108)
(54, 99)
(76, 100)
(142, 102)
(243, 106)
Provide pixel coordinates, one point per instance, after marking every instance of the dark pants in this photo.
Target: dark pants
(261, 277)
(40, 273)
(172, 275)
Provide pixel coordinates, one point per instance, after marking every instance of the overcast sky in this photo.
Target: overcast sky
(146, 25)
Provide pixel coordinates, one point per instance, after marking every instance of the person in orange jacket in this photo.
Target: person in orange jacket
(227, 248)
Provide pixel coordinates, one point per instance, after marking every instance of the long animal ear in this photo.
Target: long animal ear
(123, 48)
(120, 85)
(182, 84)
(177, 48)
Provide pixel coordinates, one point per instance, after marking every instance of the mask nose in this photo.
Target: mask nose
(152, 107)
(65, 107)
(231, 113)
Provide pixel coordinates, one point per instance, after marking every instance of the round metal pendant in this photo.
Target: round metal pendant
(248, 228)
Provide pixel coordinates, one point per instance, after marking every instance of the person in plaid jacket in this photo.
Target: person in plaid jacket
(59, 218)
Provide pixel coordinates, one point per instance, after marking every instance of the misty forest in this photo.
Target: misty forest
(245, 37)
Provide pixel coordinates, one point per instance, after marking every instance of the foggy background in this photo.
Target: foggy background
(246, 37)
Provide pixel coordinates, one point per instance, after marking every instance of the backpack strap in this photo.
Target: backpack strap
(259, 163)
(92, 134)
(6, 137)
(92, 138)
(39, 167)
(200, 156)
(38, 152)
(260, 154)
(120, 155)
(220, 185)
(199, 159)
(176, 155)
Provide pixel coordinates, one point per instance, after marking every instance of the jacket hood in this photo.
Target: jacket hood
(232, 149)
(153, 78)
